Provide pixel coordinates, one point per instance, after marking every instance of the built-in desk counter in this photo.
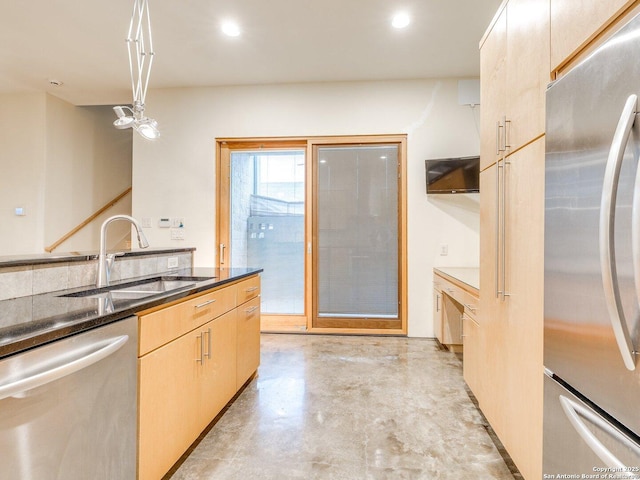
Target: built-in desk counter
(456, 292)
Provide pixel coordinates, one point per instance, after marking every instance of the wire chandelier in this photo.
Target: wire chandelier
(140, 47)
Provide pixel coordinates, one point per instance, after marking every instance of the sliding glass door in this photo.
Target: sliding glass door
(357, 232)
(325, 217)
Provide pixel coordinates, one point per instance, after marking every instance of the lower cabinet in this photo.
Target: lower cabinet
(452, 299)
(248, 341)
(188, 380)
(437, 310)
(472, 362)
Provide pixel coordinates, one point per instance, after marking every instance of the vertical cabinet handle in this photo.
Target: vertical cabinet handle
(201, 359)
(208, 354)
(504, 228)
(498, 127)
(497, 232)
(437, 303)
(222, 247)
(607, 232)
(507, 133)
(204, 353)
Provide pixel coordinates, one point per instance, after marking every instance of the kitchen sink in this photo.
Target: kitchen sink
(141, 288)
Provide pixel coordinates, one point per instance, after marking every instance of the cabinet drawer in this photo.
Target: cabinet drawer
(161, 327)
(468, 301)
(248, 289)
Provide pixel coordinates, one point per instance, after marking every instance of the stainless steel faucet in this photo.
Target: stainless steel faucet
(105, 261)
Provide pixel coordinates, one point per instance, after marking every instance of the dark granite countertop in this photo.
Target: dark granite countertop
(32, 321)
(36, 259)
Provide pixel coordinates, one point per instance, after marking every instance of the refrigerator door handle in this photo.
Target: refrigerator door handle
(573, 411)
(607, 231)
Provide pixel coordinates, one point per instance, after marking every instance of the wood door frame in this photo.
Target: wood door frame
(298, 323)
(224, 147)
(355, 326)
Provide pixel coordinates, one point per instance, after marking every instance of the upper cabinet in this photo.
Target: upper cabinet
(493, 81)
(574, 23)
(514, 72)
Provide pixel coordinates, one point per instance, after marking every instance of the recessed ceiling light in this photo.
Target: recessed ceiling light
(230, 29)
(400, 20)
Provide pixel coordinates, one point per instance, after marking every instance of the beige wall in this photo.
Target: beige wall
(88, 164)
(60, 163)
(22, 158)
(174, 176)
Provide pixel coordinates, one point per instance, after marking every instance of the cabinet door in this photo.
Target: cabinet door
(471, 363)
(437, 312)
(493, 82)
(524, 328)
(527, 70)
(451, 321)
(491, 310)
(248, 340)
(219, 367)
(576, 22)
(168, 404)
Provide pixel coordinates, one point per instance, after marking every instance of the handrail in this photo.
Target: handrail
(88, 220)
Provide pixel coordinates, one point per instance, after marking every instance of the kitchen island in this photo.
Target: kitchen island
(194, 342)
(34, 309)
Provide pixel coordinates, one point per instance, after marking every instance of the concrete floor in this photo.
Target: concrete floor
(337, 407)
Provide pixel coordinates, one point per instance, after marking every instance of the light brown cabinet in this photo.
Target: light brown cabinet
(574, 23)
(472, 360)
(194, 356)
(452, 298)
(514, 72)
(511, 298)
(437, 308)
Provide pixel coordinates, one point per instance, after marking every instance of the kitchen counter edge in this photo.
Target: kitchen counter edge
(39, 338)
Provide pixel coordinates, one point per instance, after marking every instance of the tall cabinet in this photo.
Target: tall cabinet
(515, 69)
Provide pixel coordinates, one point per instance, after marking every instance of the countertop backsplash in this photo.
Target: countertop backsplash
(42, 275)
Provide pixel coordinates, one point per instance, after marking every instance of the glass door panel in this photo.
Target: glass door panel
(267, 224)
(357, 226)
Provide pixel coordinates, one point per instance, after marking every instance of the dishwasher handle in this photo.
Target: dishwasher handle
(42, 378)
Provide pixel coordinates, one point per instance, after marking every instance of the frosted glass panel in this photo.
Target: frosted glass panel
(358, 231)
(267, 224)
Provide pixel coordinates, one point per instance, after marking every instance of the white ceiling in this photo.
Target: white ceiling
(81, 43)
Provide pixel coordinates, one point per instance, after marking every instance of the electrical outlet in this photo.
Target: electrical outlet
(444, 249)
(177, 234)
(172, 262)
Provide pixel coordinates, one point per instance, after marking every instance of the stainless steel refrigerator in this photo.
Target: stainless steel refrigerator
(592, 265)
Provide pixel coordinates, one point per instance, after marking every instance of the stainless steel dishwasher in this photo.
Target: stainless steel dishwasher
(68, 409)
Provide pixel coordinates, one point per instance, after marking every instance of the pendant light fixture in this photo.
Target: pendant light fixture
(140, 46)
